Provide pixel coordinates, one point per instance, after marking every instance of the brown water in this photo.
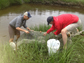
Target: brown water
(39, 15)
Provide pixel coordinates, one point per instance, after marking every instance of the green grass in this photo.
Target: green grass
(80, 28)
(38, 52)
(6, 3)
(74, 1)
(41, 27)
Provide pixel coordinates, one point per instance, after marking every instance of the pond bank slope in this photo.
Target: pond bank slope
(75, 3)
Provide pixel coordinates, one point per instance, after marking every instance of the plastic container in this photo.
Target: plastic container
(53, 45)
(13, 45)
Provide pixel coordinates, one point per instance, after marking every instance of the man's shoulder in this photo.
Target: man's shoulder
(20, 17)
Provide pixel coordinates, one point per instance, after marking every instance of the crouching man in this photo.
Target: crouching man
(15, 26)
(62, 24)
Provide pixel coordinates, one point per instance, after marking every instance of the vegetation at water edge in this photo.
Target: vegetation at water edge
(38, 52)
(7, 3)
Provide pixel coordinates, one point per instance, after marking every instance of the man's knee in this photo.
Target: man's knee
(18, 36)
(64, 31)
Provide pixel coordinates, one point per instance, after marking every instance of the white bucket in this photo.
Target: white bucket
(53, 45)
(13, 45)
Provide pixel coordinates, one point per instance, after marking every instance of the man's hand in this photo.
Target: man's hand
(28, 29)
(53, 32)
(27, 32)
(31, 30)
(45, 34)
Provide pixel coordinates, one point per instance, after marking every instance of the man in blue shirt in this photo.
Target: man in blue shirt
(15, 26)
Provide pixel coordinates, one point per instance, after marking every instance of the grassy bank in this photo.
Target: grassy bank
(6, 3)
(38, 52)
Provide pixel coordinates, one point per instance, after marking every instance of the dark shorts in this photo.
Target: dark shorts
(13, 31)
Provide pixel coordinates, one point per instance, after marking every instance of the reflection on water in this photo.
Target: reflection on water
(39, 15)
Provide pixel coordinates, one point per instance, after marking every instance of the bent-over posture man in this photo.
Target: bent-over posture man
(62, 24)
(15, 26)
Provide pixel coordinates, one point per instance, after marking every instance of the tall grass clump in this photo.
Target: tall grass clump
(78, 50)
(77, 2)
(36, 52)
(74, 1)
(41, 27)
(4, 3)
(27, 1)
(12, 2)
(80, 28)
(17, 2)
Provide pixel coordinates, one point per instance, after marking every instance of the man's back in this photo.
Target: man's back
(16, 21)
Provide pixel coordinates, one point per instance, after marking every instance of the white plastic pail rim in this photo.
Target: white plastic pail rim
(53, 43)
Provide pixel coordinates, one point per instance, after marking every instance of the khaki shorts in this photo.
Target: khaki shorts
(73, 25)
(13, 31)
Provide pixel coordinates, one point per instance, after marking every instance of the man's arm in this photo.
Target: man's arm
(20, 29)
(50, 30)
(28, 28)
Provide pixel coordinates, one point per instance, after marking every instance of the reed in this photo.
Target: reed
(38, 52)
(41, 27)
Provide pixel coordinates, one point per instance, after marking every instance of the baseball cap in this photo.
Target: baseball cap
(49, 19)
(27, 14)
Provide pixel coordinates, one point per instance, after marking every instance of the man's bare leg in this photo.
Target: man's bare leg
(17, 37)
(11, 39)
(64, 37)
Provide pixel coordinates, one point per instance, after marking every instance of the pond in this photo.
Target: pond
(39, 14)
